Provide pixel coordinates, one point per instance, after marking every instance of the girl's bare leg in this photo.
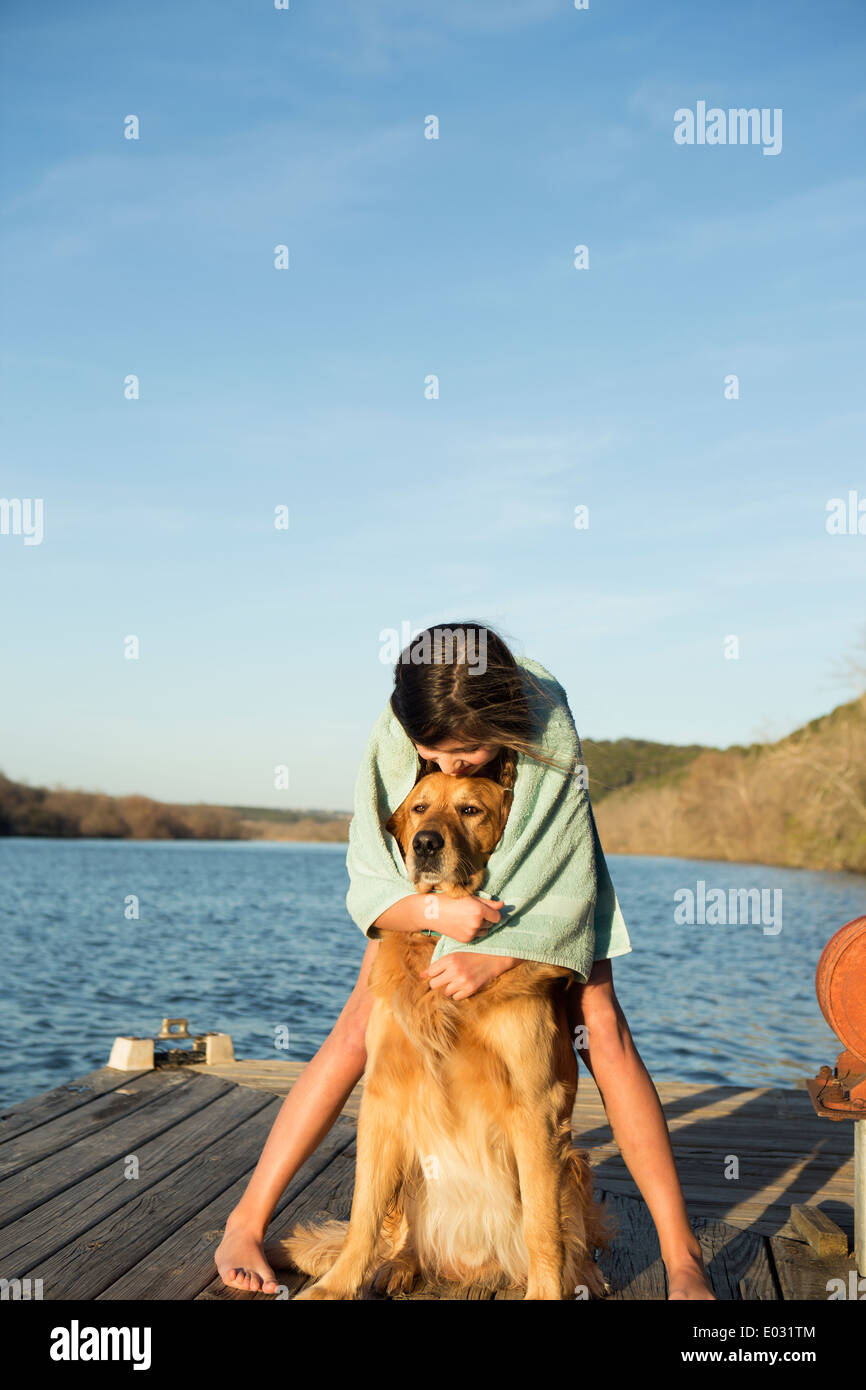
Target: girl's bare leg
(306, 1115)
(639, 1127)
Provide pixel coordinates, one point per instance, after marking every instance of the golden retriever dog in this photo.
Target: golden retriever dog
(466, 1172)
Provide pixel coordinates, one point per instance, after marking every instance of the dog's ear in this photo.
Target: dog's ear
(504, 807)
(396, 823)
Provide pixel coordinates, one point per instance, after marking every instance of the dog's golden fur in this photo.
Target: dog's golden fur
(466, 1171)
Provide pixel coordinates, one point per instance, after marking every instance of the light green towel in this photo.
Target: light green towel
(549, 867)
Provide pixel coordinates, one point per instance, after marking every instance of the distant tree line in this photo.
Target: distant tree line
(67, 815)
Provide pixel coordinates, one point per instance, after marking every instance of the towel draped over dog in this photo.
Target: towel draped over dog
(548, 867)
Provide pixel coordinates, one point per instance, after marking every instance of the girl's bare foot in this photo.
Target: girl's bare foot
(687, 1279)
(240, 1259)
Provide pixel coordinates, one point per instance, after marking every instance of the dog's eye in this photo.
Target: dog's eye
(419, 808)
(470, 810)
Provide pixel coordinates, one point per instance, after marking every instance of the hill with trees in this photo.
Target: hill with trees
(799, 802)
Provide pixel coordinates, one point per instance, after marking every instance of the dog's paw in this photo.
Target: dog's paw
(391, 1280)
(315, 1293)
(537, 1292)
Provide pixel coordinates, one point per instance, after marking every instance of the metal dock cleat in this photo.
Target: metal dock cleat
(141, 1054)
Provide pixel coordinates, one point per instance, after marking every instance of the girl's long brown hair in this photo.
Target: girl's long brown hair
(437, 700)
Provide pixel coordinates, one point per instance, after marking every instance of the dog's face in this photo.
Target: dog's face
(447, 829)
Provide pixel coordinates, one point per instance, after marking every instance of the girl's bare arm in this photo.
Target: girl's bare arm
(461, 919)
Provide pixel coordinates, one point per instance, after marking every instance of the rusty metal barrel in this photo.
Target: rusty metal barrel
(840, 1093)
(840, 984)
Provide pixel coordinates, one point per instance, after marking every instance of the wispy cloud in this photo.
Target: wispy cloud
(223, 188)
(828, 212)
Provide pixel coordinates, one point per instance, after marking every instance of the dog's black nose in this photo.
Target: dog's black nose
(427, 842)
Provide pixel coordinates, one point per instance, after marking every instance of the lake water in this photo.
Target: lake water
(248, 938)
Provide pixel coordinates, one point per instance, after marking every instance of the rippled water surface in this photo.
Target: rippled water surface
(247, 938)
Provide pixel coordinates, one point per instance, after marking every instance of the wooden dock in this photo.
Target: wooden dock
(117, 1185)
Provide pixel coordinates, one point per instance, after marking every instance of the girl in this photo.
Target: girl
(481, 712)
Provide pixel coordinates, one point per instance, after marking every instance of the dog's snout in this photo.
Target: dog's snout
(427, 842)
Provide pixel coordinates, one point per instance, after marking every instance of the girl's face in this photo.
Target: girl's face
(458, 759)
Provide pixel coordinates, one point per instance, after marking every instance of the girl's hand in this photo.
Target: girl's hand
(459, 976)
(462, 919)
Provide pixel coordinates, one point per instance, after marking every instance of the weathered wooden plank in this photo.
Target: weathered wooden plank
(800, 1178)
(40, 1233)
(787, 1187)
(43, 1181)
(805, 1176)
(633, 1265)
(734, 1260)
(759, 1284)
(756, 1147)
(29, 1114)
(824, 1236)
(273, 1075)
(804, 1275)
(765, 1218)
(83, 1268)
(749, 1138)
(51, 1138)
(183, 1265)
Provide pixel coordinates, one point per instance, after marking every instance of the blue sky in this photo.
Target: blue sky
(410, 257)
